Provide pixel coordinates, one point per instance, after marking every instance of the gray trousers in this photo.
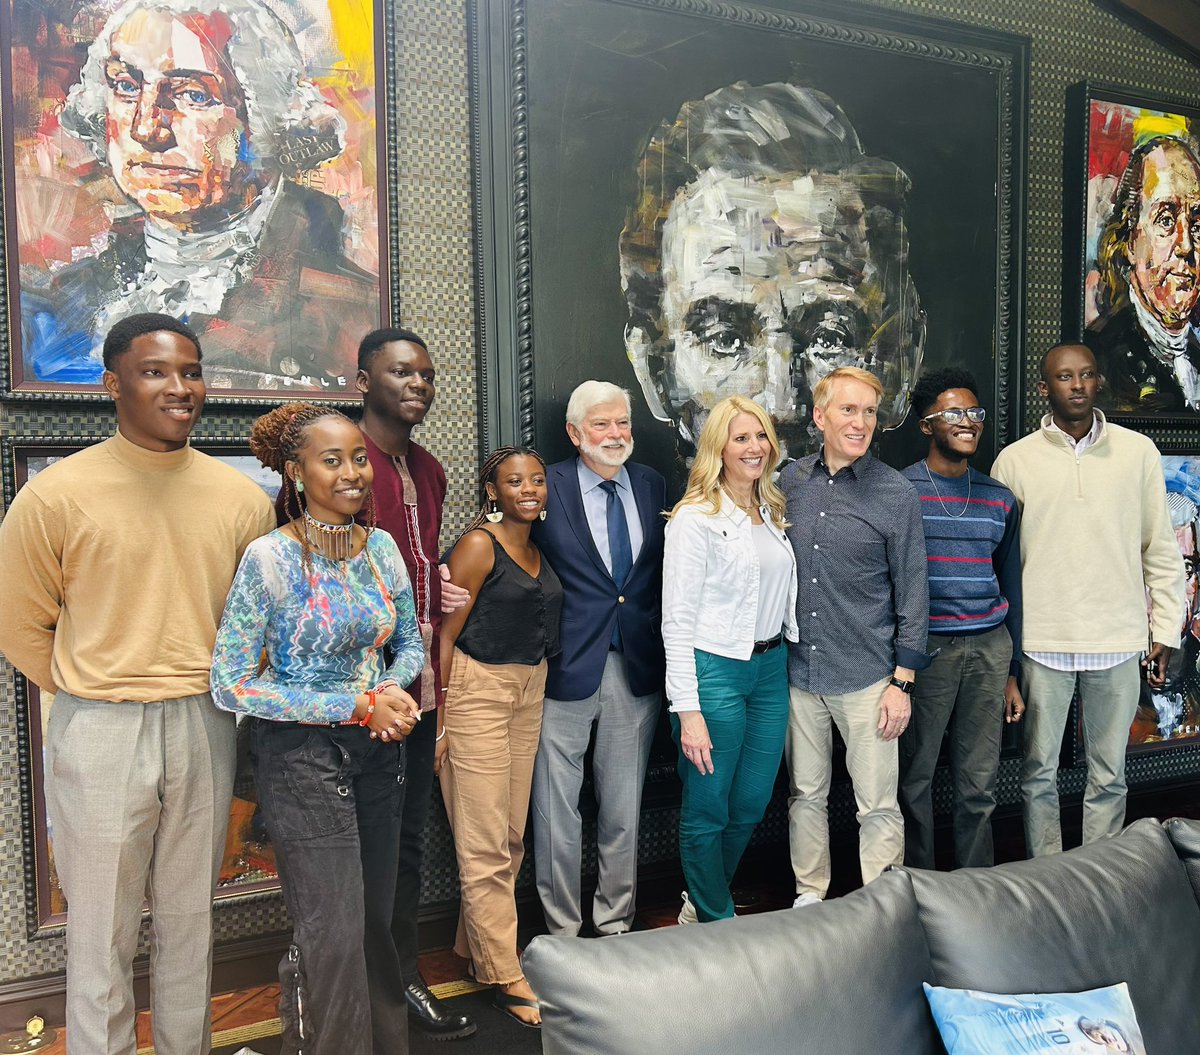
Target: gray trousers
(624, 728)
(1108, 702)
(138, 800)
(964, 690)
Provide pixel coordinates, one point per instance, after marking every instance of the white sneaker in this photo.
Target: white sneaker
(687, 914)
(806, 899)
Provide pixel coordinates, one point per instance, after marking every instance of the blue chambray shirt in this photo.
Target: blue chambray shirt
(863, 599)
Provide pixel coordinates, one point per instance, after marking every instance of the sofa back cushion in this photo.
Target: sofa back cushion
(1118, 910)
(840, 978)
(1185, 837)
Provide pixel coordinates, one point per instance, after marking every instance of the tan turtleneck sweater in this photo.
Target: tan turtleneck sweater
(114, 568)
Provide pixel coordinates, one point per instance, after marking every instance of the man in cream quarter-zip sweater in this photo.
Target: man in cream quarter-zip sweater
(1095, 537)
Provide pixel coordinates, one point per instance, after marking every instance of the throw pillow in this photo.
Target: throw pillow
(1098, 1022)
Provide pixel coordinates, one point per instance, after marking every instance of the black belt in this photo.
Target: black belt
(765, 646)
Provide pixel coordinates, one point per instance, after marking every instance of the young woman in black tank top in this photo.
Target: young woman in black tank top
(495, 651)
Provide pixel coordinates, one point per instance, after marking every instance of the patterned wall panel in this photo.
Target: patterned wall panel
(1072, 39)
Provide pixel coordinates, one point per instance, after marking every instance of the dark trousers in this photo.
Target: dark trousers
(419, 751)
(331, 799)
(964, 689)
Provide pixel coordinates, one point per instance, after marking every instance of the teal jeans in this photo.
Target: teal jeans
(745, 706)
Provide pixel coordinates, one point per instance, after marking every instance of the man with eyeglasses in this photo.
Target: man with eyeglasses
(1096, 538)
(971, 527)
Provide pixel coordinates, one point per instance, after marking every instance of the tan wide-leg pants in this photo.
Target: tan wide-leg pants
(493, 720)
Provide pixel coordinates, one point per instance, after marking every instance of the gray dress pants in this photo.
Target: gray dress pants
(624, 729)
(138, 800)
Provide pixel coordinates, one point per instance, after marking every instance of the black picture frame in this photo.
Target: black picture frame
(1102, 129)
(247, 849)
(565, 93)
(42, 48)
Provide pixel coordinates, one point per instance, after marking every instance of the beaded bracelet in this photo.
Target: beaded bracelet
(366, 719)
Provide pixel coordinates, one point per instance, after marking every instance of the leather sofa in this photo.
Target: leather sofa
(844, 977)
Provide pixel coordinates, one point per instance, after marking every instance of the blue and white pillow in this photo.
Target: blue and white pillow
(1100, 1022)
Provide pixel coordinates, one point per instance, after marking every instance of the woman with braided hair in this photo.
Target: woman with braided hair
(328, 601)
(495, 648)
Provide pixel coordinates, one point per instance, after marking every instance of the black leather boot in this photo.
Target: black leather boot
(434, 1018)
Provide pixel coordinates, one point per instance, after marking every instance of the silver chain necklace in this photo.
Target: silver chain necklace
(941, 501)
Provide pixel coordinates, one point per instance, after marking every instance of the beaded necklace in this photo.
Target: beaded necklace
(335, 541)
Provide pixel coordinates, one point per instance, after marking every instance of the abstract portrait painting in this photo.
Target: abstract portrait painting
(699, 200)
(1171, 715)
(217, 160)
(1140, 223)
(765, 249)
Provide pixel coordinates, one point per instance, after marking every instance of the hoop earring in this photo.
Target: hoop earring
(493, 515)
(542, 515)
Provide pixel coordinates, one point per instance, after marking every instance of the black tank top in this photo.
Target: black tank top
(515, 616)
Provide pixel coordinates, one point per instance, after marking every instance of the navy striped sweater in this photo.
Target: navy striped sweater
(975, 558)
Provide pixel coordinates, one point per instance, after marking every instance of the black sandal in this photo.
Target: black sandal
(506, 1002)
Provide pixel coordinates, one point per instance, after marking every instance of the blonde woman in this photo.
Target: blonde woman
(729, 600)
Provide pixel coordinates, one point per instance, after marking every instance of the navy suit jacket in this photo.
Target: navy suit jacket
(592, 601)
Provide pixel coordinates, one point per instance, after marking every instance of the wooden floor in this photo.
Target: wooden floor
(246, 1015)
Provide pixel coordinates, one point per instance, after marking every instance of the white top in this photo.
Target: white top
(774, 575)
(711, 583)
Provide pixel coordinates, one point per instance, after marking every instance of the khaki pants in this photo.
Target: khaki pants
(493, 720)
(874, 765)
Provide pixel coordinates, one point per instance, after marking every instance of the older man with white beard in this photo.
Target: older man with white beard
(603, 535)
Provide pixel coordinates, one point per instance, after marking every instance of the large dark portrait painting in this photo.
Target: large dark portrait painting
(700, 200)
(1139, 279)
(217, 160)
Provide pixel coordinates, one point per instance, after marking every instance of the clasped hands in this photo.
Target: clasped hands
(395, 714)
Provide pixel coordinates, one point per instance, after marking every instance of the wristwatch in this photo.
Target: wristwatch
(903, 686)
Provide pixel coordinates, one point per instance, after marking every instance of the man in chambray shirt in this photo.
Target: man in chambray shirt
(863, 611)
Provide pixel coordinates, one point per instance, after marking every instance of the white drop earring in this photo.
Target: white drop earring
(542, 515)
(299, 487)
(493, 515)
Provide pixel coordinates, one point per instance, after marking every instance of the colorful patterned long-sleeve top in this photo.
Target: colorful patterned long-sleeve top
(324, 632)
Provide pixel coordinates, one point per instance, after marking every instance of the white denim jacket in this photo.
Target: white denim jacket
(710, 592)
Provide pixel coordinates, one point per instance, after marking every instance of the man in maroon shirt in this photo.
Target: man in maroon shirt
(397, 380)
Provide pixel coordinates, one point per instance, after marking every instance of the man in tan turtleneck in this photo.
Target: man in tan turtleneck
(114, 567)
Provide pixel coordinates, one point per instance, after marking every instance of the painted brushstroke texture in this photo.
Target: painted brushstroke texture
(1172, 713)
(1142, 278)
(214, 159)
(765, 249)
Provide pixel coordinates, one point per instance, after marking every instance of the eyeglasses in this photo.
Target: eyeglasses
(955, 415)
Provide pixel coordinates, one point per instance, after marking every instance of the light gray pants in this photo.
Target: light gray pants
(624, 728)
(1108, 700)
(138, 800)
